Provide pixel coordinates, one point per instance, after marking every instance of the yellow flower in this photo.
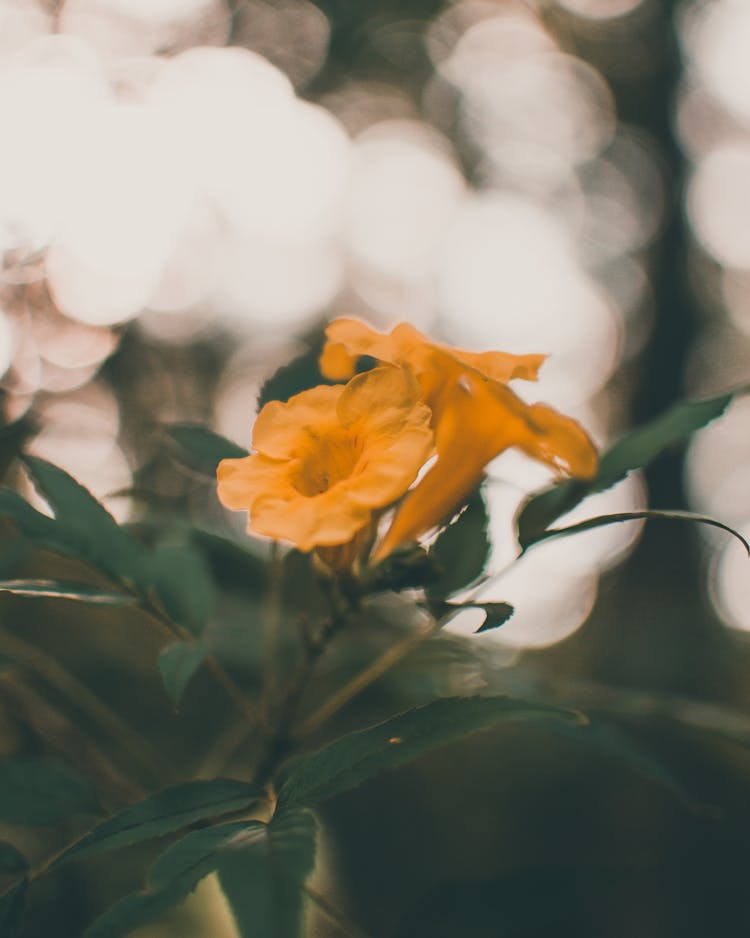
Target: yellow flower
(475, 416)
(329, 458)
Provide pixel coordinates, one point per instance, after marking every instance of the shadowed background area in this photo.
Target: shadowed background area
(189, 189)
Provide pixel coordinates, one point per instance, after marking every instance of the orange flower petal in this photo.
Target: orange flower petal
(329, 457)
(324, 520)
(279, 427)
(240, 480)
(502, 366)
(478, 420)
(336, 364)
(560, 442)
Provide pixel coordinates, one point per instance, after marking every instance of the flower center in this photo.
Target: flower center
(331, 459)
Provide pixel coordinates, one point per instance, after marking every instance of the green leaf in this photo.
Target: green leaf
(461, 551)
(634, 451)
(11, 861)
(408, 566)
(164, 813)
(172, 877)
(495, 614)
(262, 871)
(202, 450)
(12, 908)
(183, 583)
(37, 527)
(610, 740)
(673, 515)
(43, 791)
(353, 759)
(85, 525)
(178, 663)
(54, 589)
(297, 375)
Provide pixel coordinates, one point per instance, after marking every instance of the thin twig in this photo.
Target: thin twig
(364, 679)
(272, 626)
(245, 706)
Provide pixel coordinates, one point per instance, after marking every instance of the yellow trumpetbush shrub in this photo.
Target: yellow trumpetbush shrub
(329, 458)
(475, 416)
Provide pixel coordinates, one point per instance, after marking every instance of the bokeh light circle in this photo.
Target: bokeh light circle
(718, 203)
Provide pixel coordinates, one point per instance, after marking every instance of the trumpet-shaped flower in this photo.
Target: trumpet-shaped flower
(475, 416)
(330, 457)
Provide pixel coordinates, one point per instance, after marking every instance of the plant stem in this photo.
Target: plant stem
(364, 679)
(245, 706)
(235, 694)
(271, 626)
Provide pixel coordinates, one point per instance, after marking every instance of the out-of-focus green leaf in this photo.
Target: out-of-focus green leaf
(164, 813)
(674, 515)
(460, 552)
(12, 908)
(634, 451)
(183, 583)
(84, 524)
(407, 567)
(43, 791)
(12, 439)
(11, 861)
(353, 759)
(530, 902)
(54, 589)
(37, 527)
(262, 871)
(297, 375)
(610, 740)
(232, 565)
(201, 449)
(495, 614)
(177, 665)
(172, 877)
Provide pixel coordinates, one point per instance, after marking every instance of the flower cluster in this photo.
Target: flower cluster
(330, 460)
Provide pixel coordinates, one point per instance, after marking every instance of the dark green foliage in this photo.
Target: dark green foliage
(231, 564)
(262, 871)
(461, 551)
(180, 577)
(610, 740)
(11, 861)
(43, 791)
(13, 436)
(200, 449)
(353, 759)
(178, 663)
(176, 574)
(298, 375)
(409, 566)
(173, 876)
(531, 903)
(77, 592)
(495, 614)
(40, 529)
(164, 813)
(85, 525)
(636, 450)
(619, 517)
(12, 908)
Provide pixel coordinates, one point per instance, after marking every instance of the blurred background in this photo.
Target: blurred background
(189, 189)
